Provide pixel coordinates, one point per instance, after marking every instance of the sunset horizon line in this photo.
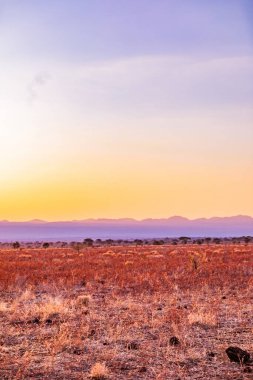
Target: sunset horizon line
(99, 219)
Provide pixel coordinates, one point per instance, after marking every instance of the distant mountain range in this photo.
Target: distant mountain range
(127, 228)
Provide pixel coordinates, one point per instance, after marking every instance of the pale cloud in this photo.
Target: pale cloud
(39, 80)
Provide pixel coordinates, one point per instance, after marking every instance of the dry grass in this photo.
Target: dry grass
(204, 317)
(64, 314)
(99, 371)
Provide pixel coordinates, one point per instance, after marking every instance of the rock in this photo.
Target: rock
(174, 341)
(238, 355)
(210, 355)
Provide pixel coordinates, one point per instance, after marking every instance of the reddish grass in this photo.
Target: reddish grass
(69, 314)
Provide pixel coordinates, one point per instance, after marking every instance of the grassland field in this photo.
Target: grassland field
(110, 312)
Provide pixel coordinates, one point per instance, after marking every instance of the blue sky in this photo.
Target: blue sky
(96, 29)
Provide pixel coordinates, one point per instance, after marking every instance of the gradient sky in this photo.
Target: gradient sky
(126, 108)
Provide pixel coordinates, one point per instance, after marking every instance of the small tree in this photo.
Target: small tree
(45, 245)
(16, 245)
(88, 242)
(109, 241)
(158, 242)
(138, 242)
(184, 239)
(247, 239)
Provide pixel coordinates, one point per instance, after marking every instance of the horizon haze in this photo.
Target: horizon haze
(126, 228)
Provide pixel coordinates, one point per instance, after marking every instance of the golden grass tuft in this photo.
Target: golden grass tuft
(52, 305)
(203, 317)
(99, 371)
(3, 307)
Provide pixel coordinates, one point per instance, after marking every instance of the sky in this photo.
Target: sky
(126, 108)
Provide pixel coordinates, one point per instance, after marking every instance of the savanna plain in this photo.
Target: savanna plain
(126, 312)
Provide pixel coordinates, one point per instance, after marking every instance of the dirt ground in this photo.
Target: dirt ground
(110, 312)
